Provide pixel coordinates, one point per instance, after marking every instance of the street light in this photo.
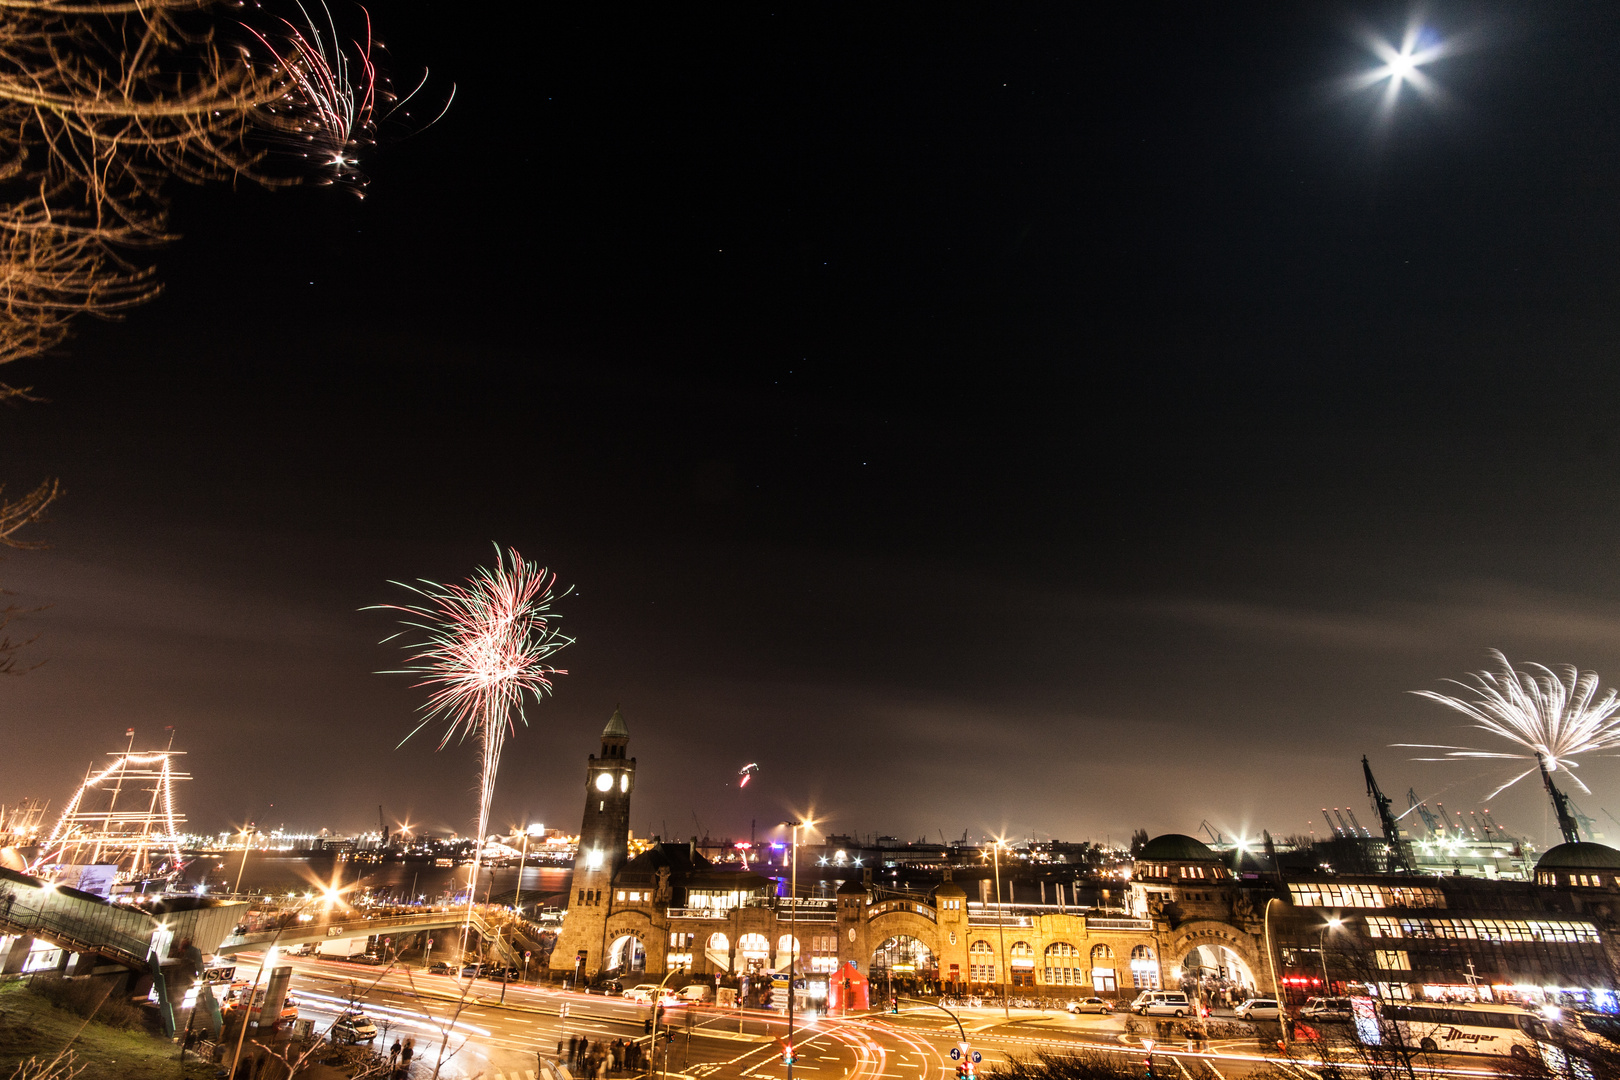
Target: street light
(243, 867)
(1001, 928)
(793, 931)
(1331, 924)
(1276, 986)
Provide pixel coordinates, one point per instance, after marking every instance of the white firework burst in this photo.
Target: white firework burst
(1555, 716)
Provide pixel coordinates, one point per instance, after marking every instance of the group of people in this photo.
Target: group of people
(399, 1057)
(601, 1058)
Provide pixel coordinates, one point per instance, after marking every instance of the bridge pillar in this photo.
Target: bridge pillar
(11, 963)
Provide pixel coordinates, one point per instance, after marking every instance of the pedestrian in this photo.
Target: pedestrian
(407, 1052)
(393, 1051)
(559, 1050)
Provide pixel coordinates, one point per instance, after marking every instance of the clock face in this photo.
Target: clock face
(852, 933)
(624, 781)
(604, 781)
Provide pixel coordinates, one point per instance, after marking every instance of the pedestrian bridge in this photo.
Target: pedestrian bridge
(338, 926)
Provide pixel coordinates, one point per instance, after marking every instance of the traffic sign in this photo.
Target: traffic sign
(977, 1057)
(956, 1053)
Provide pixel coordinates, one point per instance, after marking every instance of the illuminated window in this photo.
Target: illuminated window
(1144, 969)
(1063, 965)
(981, 962)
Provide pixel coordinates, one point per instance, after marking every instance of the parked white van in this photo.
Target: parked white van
(1162, 1003)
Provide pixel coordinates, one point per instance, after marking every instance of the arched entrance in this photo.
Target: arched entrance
(753, 953)
(1216, 971)
(626, 956)
(902, 963)
(718, 952)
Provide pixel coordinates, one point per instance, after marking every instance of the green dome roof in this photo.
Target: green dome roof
(1582, 856)
(1176, 847)
(615, 726)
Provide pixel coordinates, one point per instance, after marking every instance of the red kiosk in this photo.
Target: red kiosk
(847, 990)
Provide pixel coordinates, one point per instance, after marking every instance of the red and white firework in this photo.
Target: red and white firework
(484, 649)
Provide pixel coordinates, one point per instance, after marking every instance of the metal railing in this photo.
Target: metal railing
(1144, 925)
(122, 934)
(884, 907)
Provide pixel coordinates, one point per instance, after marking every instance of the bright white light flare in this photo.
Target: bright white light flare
(1557, 716)
(1401, 65)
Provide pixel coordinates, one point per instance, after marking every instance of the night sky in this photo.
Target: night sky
(982, 418)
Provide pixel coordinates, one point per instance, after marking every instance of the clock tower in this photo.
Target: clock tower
(604, 840)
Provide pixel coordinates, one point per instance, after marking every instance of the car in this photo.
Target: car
(696, 994)
(1162, 1003)
(497, 971)
(642, 994)
(353, 1027)
(1258, 1009)
(439, 967)
(1326, 1008)
(607, 988)
(1090, 1005)
(472, 971)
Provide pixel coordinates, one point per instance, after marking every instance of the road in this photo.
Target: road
(480, 1037)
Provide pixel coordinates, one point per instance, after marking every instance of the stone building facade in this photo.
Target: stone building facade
(1194, 917)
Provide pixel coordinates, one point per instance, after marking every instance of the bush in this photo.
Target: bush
(1084, 1065)
(98, 998)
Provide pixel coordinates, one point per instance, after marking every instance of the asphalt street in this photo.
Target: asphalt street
(476, 1035)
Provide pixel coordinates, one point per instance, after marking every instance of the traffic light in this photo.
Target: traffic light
(894, 1004)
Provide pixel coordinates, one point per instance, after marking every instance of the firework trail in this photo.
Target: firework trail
(1554, 716)
(484, 647)
(332, 97)
(335, 98)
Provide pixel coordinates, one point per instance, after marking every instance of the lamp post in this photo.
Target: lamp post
(1276, 985)
(243, 867)
(658, 1011)
(793, 931)
(1331, 924)
(1001, 927)
(517, 896)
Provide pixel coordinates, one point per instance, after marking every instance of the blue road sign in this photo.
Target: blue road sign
(977, 1057)
(956, 1053)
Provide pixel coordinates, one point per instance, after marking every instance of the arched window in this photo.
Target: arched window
(1144, 969)
(753, 950)
(718, 952)
(1063, 965)
(1021, 963)
(787, 951)
(981, 962)
(1103, 980)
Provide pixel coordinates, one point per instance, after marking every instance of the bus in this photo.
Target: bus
(1460, 1028)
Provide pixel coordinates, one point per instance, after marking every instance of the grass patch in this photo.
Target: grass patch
(31, 1026)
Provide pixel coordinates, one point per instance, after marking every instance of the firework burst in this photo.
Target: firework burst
(334, 98)
(482, 648)
(1555, 716)
(331, 95)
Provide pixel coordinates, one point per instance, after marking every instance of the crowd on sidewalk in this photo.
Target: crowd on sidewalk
(600, 1059)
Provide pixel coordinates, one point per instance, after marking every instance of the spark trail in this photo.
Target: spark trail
(1557, 715)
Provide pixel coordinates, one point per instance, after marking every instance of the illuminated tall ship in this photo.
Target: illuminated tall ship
(122, 820)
